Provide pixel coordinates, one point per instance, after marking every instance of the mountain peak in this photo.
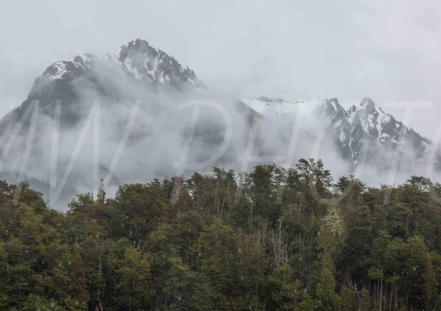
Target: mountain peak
(137, 59)
(354, 129)
(68, 69)
(139, 42)
(139, 46)
(144, 62)
(367, 103)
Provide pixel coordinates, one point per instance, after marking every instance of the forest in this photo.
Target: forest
(267, 239)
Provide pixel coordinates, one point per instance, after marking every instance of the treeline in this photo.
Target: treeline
(269, 239)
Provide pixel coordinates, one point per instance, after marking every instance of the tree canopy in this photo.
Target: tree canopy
(267, 239)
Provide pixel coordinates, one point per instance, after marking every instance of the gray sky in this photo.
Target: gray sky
(388, 50)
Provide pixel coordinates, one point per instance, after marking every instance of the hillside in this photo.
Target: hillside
(278, 240)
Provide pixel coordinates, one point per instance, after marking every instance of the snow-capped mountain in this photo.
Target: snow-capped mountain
(58, 152)
(70, 69)
(367, 124)
(64, 81)
(62, 99)
(144, 62)
(358, 131)
(137, 59)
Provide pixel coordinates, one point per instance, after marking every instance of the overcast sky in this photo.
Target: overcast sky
(387, 50)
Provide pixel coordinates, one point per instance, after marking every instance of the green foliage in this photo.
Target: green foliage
(135, 279)
(268, 239)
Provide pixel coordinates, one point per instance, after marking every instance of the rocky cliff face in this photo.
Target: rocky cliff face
(66, 81)
(360, 131)
(63, 97)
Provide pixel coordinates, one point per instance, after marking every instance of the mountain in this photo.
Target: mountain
(367, 126)
(143, 128)
(359, 132)
(138, 59)
(144, 62)
(65, 94)
(64, 81)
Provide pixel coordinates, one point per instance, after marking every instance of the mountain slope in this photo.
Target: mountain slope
(358, 131)
(64, 81)
(140, 122)
(65, 95)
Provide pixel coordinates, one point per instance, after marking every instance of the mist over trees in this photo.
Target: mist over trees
(267, 239)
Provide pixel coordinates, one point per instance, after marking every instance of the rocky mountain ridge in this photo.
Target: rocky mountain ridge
(358, 130)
